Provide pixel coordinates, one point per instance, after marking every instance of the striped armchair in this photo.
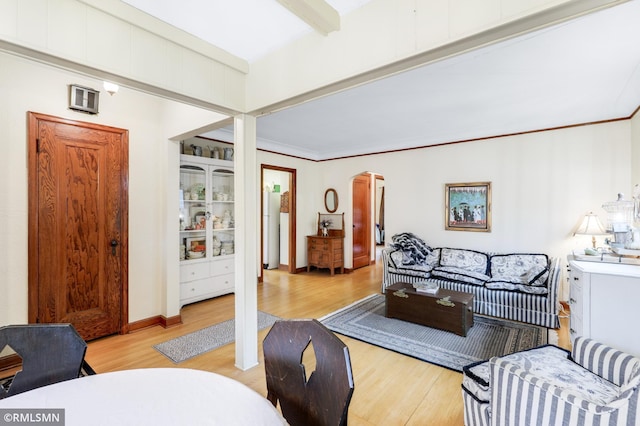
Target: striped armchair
(594, 384)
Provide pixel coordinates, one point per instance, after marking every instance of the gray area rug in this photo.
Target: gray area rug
(193, 344)
(364, 320)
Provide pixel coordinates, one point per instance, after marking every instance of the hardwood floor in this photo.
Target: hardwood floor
(390, 389)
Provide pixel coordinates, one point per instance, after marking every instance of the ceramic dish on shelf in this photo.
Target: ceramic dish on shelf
(196, 254)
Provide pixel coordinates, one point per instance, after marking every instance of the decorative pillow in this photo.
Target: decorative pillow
(498, 284)
(520, 268)
(537, 276)
(458, 274)
(469, 260)
(415, 251)
(433, 258)
(423, 270)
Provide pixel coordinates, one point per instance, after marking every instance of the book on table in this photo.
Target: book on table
(430, 288)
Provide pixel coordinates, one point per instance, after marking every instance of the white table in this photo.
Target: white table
(153, 396)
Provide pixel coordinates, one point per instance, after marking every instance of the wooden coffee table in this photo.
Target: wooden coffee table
(447, 309)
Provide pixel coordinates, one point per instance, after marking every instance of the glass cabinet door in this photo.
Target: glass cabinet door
(222, 211)
(193, 212)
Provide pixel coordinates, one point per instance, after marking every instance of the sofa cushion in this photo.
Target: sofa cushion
(497, 284)
(520, 268)
(549, 364)
(453, 273)
(397, 264)
(469, 260)
(476, 376)
(571, 378)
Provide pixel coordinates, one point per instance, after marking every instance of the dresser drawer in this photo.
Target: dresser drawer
(196, 288)
(224, 283)
(195, 271)
(221, 267)
(319, 244)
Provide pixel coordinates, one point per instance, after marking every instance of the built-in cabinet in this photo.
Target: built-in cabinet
(206, 228)
(603, 298)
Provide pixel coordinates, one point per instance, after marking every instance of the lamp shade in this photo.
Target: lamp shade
(590, 225)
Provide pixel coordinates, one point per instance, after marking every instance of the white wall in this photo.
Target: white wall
(30, 86)
(542, 184)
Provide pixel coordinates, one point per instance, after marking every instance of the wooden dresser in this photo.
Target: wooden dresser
(327, 251)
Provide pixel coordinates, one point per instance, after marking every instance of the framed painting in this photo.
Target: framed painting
(196, 243)
(468, 206)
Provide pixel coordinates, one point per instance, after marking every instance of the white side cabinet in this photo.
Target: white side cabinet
(206, 228)
(603, 298)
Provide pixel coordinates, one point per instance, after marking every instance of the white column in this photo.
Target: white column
(170, 306)
(246, 242)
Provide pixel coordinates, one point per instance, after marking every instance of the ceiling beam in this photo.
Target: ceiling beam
(317, 13)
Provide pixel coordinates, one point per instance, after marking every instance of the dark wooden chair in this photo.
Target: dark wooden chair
(320, 399)
(50, 353)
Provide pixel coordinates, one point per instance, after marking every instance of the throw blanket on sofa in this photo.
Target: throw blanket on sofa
(415, 251)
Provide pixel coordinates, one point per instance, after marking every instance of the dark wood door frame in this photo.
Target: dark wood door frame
(33, 287)
(292, 215)
(365, 223)
(376, 178)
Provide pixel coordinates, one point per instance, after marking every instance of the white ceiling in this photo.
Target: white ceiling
(581, 71)
(226, 23)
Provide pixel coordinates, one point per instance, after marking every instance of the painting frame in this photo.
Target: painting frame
(467, 207)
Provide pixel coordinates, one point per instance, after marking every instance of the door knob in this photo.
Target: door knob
(114, 244)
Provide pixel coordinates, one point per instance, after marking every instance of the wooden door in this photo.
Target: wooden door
(361, 221)
(78, 179)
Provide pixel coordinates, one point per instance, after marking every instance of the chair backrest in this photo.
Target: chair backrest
(323, 397)
(50, 353)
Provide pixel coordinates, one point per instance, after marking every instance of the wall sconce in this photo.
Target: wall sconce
(591, 225)
(111, 88)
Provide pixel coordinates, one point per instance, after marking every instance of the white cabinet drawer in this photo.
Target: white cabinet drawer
(195, 271)
(197, 288)
(224, 283)
(222, 267)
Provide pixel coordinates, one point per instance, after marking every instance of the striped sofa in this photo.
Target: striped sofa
(593, 385)
(538, 305)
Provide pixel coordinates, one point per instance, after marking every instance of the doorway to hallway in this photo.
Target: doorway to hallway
(278, 218)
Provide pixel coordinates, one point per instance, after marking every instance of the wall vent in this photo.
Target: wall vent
(83, 99)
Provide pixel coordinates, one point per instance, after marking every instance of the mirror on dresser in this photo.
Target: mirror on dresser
(331, 200)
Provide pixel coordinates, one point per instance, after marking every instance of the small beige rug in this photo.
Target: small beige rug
(193, 344)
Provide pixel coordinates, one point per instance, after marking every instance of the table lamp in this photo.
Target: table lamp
(591, 225)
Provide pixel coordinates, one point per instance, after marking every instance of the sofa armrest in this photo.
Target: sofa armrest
(519, 397)
(611, 364)
(386, 263)
(555, 273)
